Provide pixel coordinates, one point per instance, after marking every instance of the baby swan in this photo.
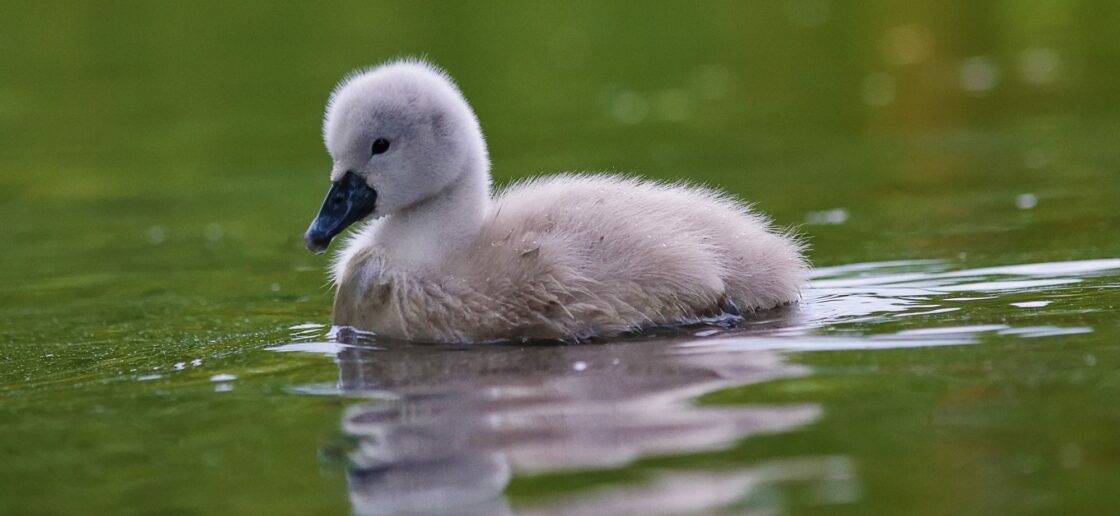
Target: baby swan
(557, 257)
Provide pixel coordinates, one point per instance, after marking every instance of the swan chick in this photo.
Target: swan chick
(437, 257)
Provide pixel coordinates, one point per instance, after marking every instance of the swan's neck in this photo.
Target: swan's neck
(441, 226)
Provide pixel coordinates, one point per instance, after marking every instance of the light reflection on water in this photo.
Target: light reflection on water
(451, 427)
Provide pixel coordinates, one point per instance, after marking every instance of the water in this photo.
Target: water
(164, 336)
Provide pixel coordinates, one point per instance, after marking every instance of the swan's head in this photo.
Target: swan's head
(398, 134)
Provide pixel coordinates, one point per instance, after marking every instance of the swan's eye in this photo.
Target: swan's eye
(379, 145)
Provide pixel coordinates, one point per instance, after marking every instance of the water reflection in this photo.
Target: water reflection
(885, 292)
(449, 427)
(747, 491)
(452, 426)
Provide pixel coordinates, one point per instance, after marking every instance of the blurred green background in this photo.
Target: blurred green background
(160, 160)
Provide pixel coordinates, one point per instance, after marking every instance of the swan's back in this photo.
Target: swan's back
(591, 254)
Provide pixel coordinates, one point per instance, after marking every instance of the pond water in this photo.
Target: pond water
(165, 341)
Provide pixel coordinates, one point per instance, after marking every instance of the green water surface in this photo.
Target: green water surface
(160, 160)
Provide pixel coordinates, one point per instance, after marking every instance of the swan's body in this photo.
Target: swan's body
(564, 256)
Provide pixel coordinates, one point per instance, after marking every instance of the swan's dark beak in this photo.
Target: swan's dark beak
(348, 201)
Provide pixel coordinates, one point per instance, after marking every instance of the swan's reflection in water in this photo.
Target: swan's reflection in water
(453, 426)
